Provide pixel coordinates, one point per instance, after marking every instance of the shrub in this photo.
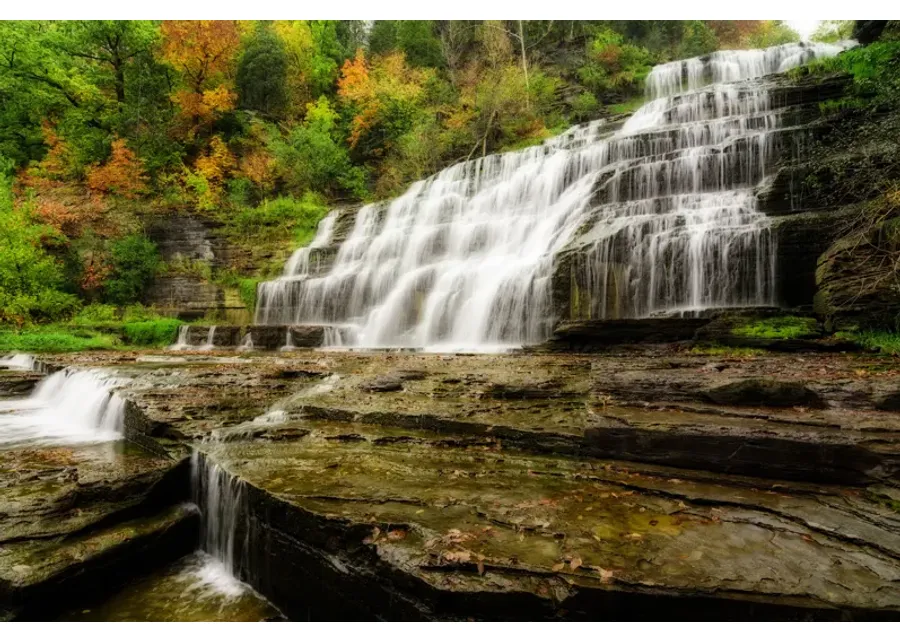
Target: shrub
(159, 332)
(135, 261)
(303, 215)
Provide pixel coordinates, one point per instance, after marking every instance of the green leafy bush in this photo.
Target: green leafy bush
(135, 261)
(158, 332)
(31, 281)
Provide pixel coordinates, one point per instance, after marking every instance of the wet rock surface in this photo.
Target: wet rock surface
(538, 486)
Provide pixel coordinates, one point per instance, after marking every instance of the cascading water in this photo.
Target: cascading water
(18, 362)
(662, 214)
(210, 339)
(182, 342)
(223, 528)
(68, 407)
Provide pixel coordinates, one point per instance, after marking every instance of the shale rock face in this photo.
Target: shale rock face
(187, 243)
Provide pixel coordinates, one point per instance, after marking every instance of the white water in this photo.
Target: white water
(210, 337)
(246, 343)
(68, 407)
(663, 212)
(224, 526)
(183, 340)
(18, 362)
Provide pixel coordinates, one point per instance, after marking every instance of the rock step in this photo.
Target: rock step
(263, 337)
(77, 519)
(723, 327)
(399, 524)
(43, 575)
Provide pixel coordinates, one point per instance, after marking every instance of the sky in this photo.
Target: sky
(804, 27)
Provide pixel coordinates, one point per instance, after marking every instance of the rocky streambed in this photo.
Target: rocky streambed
(642, 484)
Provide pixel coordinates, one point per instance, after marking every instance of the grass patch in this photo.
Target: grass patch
(159, 332)
(789, 327)
(56, 341)
(882, 341)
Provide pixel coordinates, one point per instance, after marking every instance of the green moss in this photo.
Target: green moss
(788, 327)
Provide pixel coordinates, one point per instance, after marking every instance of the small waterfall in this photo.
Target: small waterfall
(183, 340)
(660, 216)
(246, 343)
(210, 339)
(68, 407)
(288, 341)
(299, 263)
(18, 362)
(224, 524)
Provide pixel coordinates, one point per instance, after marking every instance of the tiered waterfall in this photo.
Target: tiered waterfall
(662, 213)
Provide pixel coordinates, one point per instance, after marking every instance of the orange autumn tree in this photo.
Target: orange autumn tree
(122, 174)
(204, 52)
(379, 92)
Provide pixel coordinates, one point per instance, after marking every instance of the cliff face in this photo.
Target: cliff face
(193, 249)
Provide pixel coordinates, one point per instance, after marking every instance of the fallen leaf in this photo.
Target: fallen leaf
(480, 568)
(575, 563)
(558, 567)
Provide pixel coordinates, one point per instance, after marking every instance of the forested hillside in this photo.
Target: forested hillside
(262, 125)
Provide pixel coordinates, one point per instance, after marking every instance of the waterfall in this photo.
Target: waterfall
(18, 362)
(68, 407)
(661, 217)
(183, 341)
(246, 343)
(210, 336)
(224, 524)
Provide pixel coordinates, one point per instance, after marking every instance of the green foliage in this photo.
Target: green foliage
(833, 31)
(875, 70)
(613, 65)
(698, 39)
(585, 105)
(135, 261)
(883, 341)
(302, 215)
(788, 327)
(247, 291)
(262, 74)
(30, 280)
(314, 157)
(416, 38)
(94, 314)
(55, 341)
(158, 332)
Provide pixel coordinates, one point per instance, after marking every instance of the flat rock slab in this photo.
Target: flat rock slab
(738, 415)
(400, 523)
(77, 519)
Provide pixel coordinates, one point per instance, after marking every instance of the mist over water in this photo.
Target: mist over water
(662, 213)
